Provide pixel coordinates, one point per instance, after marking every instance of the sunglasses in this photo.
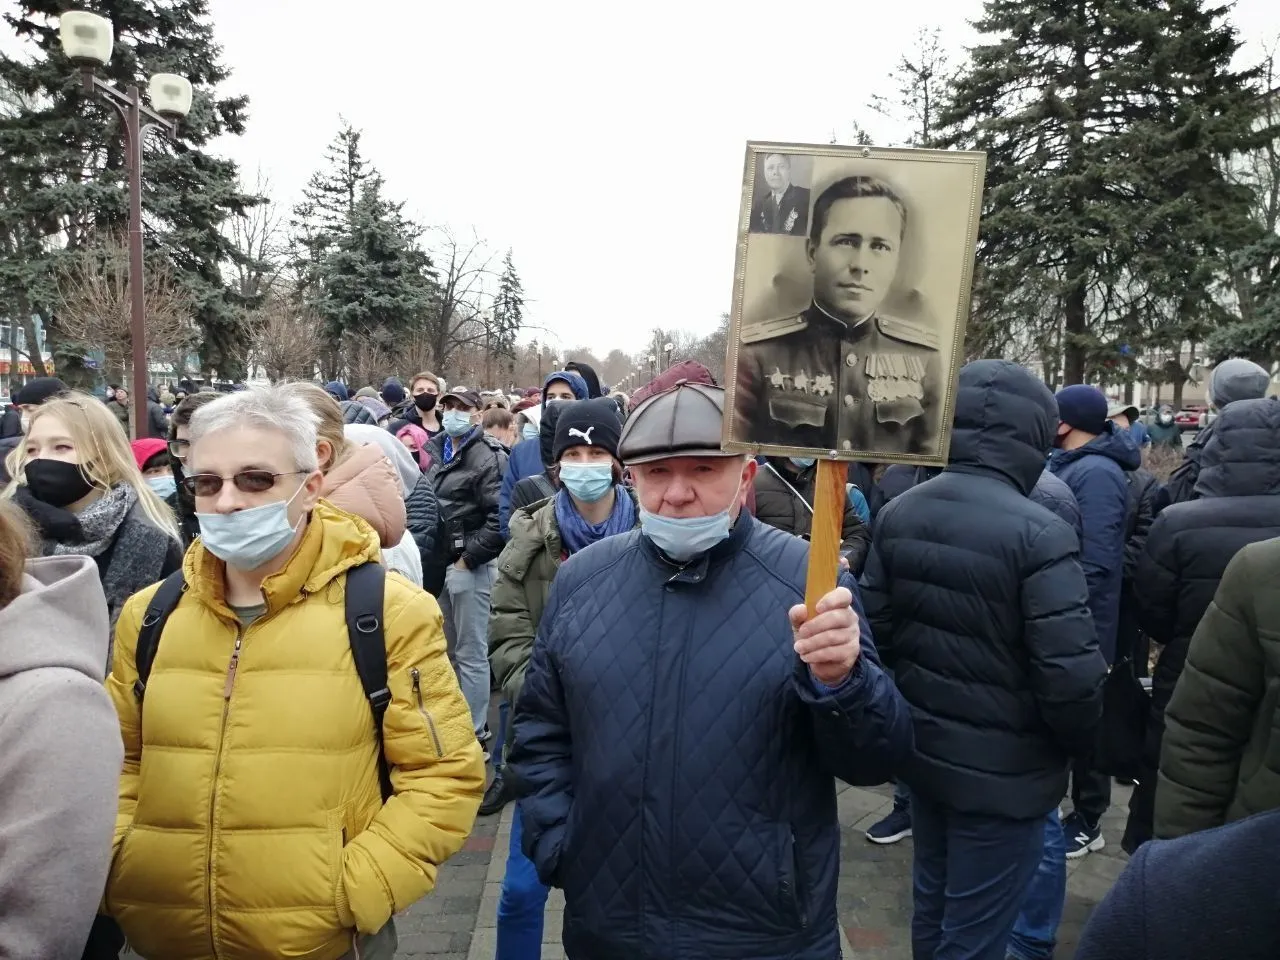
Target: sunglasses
(246, 481)
(179, 449)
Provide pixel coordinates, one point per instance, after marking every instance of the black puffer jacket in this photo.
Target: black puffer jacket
(467, 488)
(1189, 546)
(977, 601)
(422, 518)
(784, 499)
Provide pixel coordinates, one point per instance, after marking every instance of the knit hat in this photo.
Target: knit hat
(1083, 407)
(37, 391)
(338, 390)
(393, 392)
(144, 450)
(1237, 379)
(588, 423)
(366, 392)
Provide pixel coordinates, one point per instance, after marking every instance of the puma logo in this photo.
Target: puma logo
(575, 432)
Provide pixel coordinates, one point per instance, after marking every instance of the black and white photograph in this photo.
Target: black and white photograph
(780, 202)
(846, 337)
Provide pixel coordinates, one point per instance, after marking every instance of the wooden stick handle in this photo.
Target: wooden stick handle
(824, 534)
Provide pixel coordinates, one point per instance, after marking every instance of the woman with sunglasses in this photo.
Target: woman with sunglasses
(76, 478)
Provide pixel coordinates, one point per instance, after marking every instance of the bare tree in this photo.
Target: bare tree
(920, 83)
(93, 303)
(467, 275)
(286, 341)
(260, 236)
(368, 361)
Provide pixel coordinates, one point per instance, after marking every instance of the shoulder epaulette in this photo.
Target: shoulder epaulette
(907, 331)
(768, 329)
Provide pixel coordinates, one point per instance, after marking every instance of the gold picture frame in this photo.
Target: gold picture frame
(845, 342)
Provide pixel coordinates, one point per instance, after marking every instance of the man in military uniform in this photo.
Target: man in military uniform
(841, 375)
(785, 208)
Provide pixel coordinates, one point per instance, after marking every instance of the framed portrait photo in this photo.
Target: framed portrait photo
(851, 294)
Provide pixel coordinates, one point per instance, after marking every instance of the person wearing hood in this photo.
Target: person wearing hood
(157, 419)
(589, 377)
(784, 499)
(1229, 381)
(393, 393)
(406, 556)
(1093, 457)
(591, 504)
(1190, 544)
(360, 479)
(60, 749)
(527, 457)
(538, 487)
(981, 609)
(684, 717)
(338, 390)
(1164, 431)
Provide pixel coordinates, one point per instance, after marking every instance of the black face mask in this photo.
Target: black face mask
(426, 402)
(56, 483)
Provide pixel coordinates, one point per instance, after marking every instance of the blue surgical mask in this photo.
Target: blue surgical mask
(588, 482)
(683, 538)
(456, 423)
(249, 538)
(529, 432)
(164, 486)
(804, 463)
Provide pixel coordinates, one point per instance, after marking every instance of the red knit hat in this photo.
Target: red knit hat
(144, 450)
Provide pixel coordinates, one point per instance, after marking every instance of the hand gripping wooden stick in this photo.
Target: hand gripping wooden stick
(824, 535)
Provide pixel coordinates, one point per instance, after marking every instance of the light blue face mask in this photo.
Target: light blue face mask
(683, 538)
(529, 431)
(164, 486)
(248, 538)
(588, 482)
(456, 423)
(804, 463)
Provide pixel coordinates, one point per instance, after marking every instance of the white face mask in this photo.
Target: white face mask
(26, 423)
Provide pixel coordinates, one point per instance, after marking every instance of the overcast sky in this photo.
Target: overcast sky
(602, 142)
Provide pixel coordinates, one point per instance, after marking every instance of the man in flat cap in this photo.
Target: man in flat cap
(684, 718)
(843, 375)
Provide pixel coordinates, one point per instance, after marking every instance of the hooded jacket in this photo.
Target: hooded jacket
(404, 558)
(157, 419)
(976, 598)
(1188, 549)
(1095, 473)
(785, 500)
(1231, 380)
(527, 491)
(529, 458)
(60, 756)
(366, 484)
(467, 490)
(589, 377)
(251, 821)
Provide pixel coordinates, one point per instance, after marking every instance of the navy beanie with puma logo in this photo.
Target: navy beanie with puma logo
(588, 423)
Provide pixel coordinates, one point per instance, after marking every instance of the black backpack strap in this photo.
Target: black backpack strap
(156, 616)
(365, 592)
(544, 485)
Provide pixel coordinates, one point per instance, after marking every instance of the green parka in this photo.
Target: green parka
(1220, 760)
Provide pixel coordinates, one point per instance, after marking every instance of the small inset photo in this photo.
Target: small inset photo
(780, 203)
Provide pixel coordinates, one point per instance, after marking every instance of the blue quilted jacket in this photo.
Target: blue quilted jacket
(677, 761)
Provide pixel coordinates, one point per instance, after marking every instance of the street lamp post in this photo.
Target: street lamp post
(667, 348)
(653, 364)
(87, 40)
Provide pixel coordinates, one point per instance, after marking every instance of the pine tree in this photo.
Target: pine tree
(376, 282)
(327, 207)
(921, 81)
(508, 310)
(62, 165)
(1106, 124)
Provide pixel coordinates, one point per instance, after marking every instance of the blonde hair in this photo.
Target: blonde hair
(102, 453)
(329, 419)
(15, 547)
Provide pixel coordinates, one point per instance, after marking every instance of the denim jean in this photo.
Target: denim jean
(901, 796)
(523, 902)
(377, 946)
(969, 876)
(1036, 932)
(464, 601)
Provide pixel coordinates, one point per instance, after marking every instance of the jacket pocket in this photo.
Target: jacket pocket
(115, 873)
(791, 892)
(415, 676)
(336, 840)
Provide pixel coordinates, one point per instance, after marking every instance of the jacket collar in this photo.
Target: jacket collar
(699, 568)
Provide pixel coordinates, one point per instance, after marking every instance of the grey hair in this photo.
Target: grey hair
(265, 408)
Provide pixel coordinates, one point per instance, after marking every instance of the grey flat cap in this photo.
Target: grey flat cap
(685, 421)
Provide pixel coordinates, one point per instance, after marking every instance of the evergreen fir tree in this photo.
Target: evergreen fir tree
(376, 281)
(1106, 124)
(328, 204)
(62, 164)
(508, 310)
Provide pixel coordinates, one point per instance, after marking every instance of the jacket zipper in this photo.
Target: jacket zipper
(232, 666)
(797, 870)
(431, 724)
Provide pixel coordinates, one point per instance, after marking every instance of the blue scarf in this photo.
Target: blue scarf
(452, 446)
(576, 533)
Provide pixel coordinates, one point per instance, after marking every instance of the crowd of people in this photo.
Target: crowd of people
(250, 661)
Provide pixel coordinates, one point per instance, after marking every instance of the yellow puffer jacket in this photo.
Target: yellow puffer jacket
(251, 824)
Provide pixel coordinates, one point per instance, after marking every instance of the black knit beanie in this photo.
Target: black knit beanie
(588, 423)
